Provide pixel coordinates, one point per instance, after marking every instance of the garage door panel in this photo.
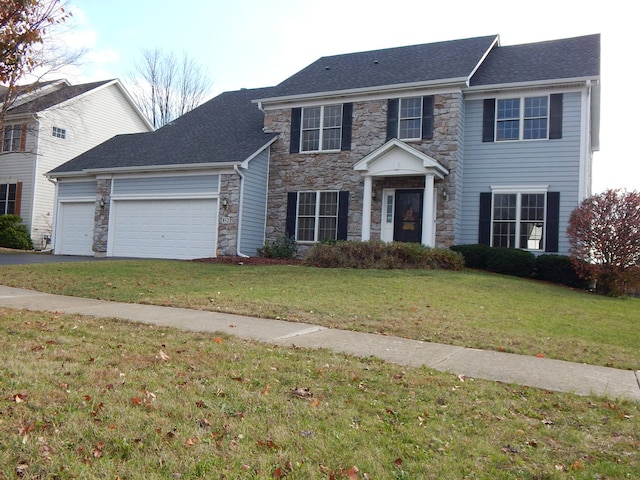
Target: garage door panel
(180, 229)
(75, 228)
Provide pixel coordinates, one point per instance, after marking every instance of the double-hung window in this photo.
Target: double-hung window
(524, 118)
(321, 128)
(317, 216)
(8, 198)
(518, 220)
(410, 118)
(12, 138)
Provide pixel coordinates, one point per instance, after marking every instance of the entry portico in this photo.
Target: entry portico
(397, 159)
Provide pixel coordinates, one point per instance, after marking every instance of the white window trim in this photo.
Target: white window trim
(13, 138)
(410, 118)
(521, 119)
(58, 132)
(316, 226)
(519, 191)
(321, 128)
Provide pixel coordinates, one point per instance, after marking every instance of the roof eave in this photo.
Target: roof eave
(144, 169)
(554, 82)
(359, 91)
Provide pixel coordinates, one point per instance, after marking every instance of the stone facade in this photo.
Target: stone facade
(101, 219)
(228, 215)
(335, 170)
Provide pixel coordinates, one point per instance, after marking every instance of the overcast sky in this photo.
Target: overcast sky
(258, 43)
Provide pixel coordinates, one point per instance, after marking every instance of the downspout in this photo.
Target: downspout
(54, 224)
(241, 195)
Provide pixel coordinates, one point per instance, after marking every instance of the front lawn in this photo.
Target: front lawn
(470, 308)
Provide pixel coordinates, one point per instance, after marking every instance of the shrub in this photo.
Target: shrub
(379, 255)
(475, 255)
(510, 261)
(14, 234)
(283, 247)
(604, 239)
(558, 269)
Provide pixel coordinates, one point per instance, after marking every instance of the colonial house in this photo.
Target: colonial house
(455, 142)
(46, 125)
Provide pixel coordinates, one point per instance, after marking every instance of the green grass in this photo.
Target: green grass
(91, 398)
(470, 308)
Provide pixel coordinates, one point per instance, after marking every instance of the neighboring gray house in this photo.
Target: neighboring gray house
(48, 124)
(454, 142)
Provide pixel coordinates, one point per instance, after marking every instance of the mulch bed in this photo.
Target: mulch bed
(230, 260)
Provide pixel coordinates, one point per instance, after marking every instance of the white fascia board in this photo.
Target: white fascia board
(245, 163)
(480, 90)
(383, 91)
(495, 43)
(147, 169)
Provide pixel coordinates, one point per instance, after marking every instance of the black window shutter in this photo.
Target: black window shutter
(488, 120)
(343, 215)
(555, 116)
(347, 115)
(392, 118)
(427, 117)
(484, 223)
(553, 222)
(292, 206)
(296, 117)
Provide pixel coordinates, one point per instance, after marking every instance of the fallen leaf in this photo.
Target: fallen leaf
(265, 390)
(218, 340)
(301, 392)
(163, 357)
(19, 398)
(268, 444)
(540, 355)
(353, 473)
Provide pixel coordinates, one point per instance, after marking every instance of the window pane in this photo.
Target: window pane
(531, 235)
(535, 128)
(504, 206)
(508, 109)
(306, 229)
(310, 140)
(504, 234)
(410, 128)
(410, 118)
(535, 107)
(327, 228)
(332, 116)
(311, 117)
(532, 207)
(508, 130)
(411, 107)
(331, 139)
(307, 203)
(328, 203)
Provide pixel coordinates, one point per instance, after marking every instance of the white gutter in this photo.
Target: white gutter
(145, 168)
(241, 196)
(556, 82)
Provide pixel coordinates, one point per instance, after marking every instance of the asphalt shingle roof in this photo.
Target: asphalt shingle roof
(576, 57)
(227, 128)
(452, 59)
(56, 97)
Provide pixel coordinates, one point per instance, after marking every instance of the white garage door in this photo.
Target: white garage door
(179, 229)
(75, 228)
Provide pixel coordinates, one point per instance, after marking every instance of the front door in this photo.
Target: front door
(407, 225)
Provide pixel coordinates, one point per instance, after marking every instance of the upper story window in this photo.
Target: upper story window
(410, 118)
(321, 128)
(522, 118)
(518, 220)
(59, 133)
(13, 138)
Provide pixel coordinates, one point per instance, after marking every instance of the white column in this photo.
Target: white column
(428, 220)
(366, 210)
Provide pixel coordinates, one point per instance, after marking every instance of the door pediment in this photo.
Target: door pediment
(395, 159)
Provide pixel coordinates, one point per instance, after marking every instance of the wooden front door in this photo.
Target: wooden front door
(407, 226)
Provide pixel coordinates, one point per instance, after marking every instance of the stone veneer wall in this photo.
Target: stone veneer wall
(334, 171)
(101, 219)
(228, 232)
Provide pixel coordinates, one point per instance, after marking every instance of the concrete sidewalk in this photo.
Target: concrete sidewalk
(536, 372)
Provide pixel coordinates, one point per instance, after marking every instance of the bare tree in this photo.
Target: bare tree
(166, 87)
(24, 25)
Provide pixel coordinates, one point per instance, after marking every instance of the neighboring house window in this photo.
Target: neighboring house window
(410, 118)
(315, 216)
(522, 118)
(526, 219)
(13, 138)
(322, 128)
(59, 133)
(10, 194)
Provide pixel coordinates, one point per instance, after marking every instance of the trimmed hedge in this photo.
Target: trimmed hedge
(558, 269)
(380, 255)
(475, 255)
(14, 234)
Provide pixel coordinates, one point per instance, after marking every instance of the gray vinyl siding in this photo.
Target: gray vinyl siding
(169, 186)
(254, 204)
(555, 163)
(67, 190)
